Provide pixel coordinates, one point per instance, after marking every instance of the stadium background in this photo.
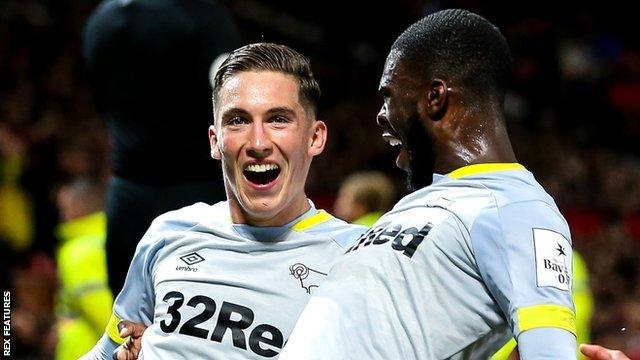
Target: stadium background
(573, 113)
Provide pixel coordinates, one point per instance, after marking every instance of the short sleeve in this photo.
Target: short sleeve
(523, 252)
(136, 301)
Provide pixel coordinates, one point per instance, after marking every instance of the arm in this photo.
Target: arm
(102, 350)
(583, 301)
(546, 343)
(523, 252)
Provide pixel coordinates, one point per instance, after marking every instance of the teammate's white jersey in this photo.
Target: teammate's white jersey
(453, 271)
(210, 289)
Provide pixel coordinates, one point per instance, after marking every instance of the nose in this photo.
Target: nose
(381, 118)
(260, 145)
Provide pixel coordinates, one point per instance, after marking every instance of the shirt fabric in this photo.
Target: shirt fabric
(453, 271)
(210, 289)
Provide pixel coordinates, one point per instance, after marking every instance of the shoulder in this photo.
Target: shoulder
(325, 224)
(187, 217)
(183, 219)
(454, 202)
(519, 226)
(501, 193)
(514, 187)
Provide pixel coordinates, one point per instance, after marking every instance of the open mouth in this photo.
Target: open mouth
(261, 174)
(391, 139)
(396, 143)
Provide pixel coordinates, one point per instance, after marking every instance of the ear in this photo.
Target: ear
(213, 141)
(434, 103)
(318, 137)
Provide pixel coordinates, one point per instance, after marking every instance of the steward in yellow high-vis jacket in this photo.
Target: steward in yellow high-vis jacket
(84, 298)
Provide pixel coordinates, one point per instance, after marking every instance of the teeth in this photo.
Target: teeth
(392, 140)
(261, 167)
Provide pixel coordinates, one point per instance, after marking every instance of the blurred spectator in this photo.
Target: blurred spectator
(364, 197)
(32, 321)
(16, 217)
(149, 62)
(84, 298)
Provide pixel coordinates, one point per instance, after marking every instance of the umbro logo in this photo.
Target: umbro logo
(192, 258)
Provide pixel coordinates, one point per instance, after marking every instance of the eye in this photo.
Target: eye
(279, 119)
(236, 121)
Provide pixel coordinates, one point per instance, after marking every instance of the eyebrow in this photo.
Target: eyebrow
(281, 110)
(235, 111)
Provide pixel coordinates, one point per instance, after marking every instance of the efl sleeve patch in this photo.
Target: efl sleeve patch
(553, 259)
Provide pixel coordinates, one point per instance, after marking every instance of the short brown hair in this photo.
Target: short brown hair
(371, 189)
(270, 57)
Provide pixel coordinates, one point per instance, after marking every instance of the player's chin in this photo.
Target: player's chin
(402, 161)
(262, 198)
(262, 207)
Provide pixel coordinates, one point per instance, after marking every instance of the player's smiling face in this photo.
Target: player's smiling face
(265, 139)
(401, 122)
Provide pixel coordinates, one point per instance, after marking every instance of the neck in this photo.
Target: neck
(474, 140)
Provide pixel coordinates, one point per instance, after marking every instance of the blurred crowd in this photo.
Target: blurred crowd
(573, 113)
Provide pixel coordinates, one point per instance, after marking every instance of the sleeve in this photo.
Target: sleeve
(136, 301)
(523, 252)
(547, 343)
(102, 351)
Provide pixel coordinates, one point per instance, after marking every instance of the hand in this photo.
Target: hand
(597, 352)
(131, 348)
